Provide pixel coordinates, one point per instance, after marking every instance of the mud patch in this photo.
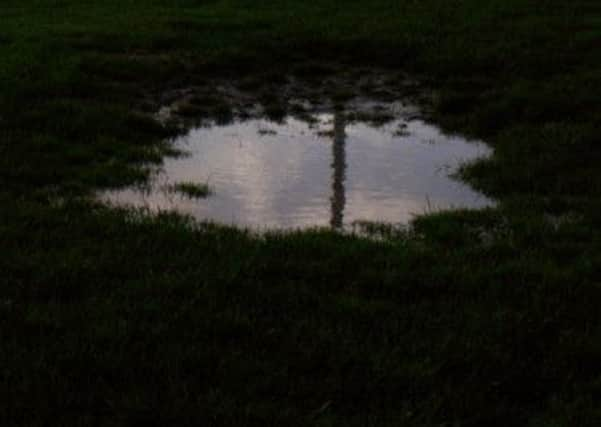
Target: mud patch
(369, 95)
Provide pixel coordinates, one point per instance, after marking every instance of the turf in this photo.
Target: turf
(117, 318)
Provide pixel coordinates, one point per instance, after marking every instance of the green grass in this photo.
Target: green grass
(114, 318)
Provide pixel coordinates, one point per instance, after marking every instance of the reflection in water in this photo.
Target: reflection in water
(339, 171)
(289, 175)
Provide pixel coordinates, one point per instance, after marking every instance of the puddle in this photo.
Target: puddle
(330, 172)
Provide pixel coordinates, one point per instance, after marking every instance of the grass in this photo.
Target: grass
(192, 190)
(114, 318)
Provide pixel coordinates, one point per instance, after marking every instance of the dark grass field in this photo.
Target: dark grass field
(114, 318)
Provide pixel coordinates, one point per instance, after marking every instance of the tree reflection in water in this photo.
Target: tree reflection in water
(338, 199)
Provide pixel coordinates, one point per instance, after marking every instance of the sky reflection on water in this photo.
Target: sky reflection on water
(295, 175)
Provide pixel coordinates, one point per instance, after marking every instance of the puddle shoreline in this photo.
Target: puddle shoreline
(370, 161)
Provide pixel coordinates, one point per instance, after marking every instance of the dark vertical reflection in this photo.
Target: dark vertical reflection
(339, 171)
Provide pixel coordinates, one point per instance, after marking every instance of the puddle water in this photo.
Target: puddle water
(329, 173)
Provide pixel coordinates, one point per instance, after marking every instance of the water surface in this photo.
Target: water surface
(330, 173)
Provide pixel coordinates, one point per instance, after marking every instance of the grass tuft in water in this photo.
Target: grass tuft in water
(192, 190)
